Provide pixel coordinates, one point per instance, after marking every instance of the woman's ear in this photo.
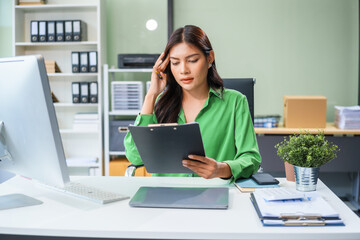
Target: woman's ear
(211, 58)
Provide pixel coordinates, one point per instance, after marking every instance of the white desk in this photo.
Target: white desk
(62, 215)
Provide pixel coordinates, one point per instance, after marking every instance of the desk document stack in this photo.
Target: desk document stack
(308, 211)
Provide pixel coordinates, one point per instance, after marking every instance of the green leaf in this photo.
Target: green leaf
(306, 149)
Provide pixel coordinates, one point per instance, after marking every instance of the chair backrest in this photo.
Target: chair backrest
(246, 87)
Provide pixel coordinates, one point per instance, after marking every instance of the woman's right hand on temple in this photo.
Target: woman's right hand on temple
(158, 78)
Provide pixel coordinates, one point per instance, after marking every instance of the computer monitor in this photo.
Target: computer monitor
(30, 141)
(246, 87)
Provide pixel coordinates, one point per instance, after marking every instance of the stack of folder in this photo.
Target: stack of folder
(270, 121)
(311, 210)
(51, 66)
(86, 122)
(347, 117)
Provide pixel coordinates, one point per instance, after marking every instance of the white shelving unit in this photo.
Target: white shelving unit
(109, 76)
(53, 44)
(81, 144)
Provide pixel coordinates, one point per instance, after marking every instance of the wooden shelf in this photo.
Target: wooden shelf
(330, 129)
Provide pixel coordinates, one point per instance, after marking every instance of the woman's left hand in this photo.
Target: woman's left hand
(207, 167)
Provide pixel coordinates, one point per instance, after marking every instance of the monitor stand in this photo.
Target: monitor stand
(12, 200)
(17, 200)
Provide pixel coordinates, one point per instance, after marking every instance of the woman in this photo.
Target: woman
(186, 87)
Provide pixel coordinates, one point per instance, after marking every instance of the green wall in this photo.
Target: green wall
(126, 31)
(289, 46)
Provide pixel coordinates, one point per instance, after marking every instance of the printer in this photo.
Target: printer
(137, 60)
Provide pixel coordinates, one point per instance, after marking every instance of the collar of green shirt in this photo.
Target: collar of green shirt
(217, 93)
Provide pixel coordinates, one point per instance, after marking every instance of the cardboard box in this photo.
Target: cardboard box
(304, 111)
(117, 167)
(51, 66)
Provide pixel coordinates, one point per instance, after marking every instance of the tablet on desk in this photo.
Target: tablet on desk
(181, 197)
(163, 147)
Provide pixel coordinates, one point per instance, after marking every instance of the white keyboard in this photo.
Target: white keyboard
(280, 193)
(90, 193)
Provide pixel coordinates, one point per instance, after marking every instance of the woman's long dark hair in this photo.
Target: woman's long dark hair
(168, 106)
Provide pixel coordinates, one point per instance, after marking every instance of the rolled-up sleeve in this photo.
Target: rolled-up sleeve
(247, 158)
(131, 151)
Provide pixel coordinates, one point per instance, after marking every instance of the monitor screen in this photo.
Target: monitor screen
(30, 142)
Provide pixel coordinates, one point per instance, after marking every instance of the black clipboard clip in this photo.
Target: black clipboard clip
(154, 125)
(162, 124)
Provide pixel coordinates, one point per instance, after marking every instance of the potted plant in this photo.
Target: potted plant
(306, 152)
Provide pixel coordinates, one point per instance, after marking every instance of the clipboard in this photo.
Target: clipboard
(294, 219)
(162, 147)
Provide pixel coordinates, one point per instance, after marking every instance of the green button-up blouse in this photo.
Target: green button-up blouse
(227, 132)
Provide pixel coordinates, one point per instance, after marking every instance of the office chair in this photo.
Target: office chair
(243, 85)
(246, 87)
(130, 170)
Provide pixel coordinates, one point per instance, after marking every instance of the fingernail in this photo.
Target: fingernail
(190, 156)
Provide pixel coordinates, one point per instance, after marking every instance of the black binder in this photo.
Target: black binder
(75, 62)
(76, 92)
(68, 31)
(93, 62)
(34, 31)
(51, 33)
(84, 92)
(163, 147)
(42, 31)
(84, 62)
(79, 30)
(93, 92)
(59, 31)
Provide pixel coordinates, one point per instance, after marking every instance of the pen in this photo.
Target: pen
(159, 75)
